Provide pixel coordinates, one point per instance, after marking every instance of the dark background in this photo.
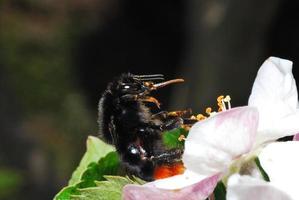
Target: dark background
(57, 56)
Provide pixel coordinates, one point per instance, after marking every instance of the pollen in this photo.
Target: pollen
(181, 138)
(200, 117)
(193, 117)
(208, 110)
(219, 103)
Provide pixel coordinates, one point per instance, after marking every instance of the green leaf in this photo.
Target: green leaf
(96, 149)
(220, 191)
(104, 190)
(95, 171)
(170, 138)
(66, 192)
(94, 178)
(109, 165)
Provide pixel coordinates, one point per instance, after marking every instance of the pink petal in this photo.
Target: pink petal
(296, 137)
(214, 143)
(196, 191)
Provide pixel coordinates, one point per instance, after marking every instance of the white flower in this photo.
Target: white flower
(275, 95)
(210, 149)
(235, 135)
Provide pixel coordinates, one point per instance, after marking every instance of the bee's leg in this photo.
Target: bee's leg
(171, 120)
(169, 156)
(165, 114)
(151, 100)
(172, 123)
(189, 121)
(160, 115)
(180, 113)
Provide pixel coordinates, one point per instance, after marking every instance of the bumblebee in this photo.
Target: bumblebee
(132, 120)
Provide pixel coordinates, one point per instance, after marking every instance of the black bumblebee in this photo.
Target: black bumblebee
(128, 121)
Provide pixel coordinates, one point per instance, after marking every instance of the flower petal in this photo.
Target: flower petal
(214, 143)
(281, 162)
(296, 137)
(274, 93)
(179, 181)
(197, 191)
(248, 188)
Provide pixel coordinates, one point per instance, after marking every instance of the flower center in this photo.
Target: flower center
(223, 103)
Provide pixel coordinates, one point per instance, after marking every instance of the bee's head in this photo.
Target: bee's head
(135, 84)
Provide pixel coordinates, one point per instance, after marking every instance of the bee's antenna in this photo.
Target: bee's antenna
(151, 78)
(148, 76)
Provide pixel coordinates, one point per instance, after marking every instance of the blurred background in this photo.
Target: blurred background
(57, 56)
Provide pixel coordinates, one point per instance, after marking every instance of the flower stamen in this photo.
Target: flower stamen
(220, 104)
(223, 103)
(227, 100)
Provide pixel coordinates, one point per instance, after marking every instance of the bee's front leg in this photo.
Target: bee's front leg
(180, 113)
(150, 100)
(160, 115)
(172, 123)
(172, 114)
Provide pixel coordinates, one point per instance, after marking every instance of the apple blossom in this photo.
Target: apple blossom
(232, 137)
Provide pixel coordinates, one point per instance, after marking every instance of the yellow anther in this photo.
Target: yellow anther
(193, 117)
(220, 98)
(220, 104)
(223, 103)
(200, 117)
(208, 110)
(181, 138)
